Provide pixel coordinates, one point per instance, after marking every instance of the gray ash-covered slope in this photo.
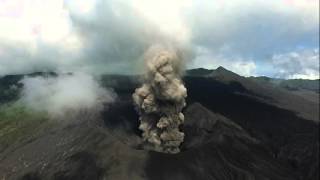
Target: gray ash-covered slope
(307, 89)
(216, 148)
(235, 129)
(286, 123)
(304, 104)
(291, 84)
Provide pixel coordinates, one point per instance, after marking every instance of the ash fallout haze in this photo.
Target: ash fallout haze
(159, 89)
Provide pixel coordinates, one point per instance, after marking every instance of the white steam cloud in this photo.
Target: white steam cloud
(160, 100)
(64, 94)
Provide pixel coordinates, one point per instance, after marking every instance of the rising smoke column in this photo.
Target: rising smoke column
(160, 100)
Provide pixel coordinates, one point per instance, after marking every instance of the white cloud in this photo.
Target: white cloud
(101, 36)
(167, 15)
(65, 93)
(300, 64)
(210, 60)
(36, 36)
(254, 29)
(44, 20)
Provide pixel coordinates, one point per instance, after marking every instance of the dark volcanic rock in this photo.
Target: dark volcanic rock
(81, 165)
(235, 128)
(277, 128)
(216, 148)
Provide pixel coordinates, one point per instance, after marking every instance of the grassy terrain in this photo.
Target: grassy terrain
(17, 123)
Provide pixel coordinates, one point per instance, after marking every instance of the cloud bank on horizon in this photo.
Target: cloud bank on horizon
(277, 38)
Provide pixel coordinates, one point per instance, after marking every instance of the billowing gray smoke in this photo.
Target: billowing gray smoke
(160, 100)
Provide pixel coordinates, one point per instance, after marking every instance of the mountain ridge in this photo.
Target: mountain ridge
(235, 128)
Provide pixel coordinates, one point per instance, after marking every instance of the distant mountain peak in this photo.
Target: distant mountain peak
(223, 71)
(221, 68)
(199, 72)
(220, 71)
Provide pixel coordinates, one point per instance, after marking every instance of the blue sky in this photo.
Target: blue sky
(277, 38)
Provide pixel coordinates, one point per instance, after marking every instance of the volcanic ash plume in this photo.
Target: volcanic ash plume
(160, 101)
